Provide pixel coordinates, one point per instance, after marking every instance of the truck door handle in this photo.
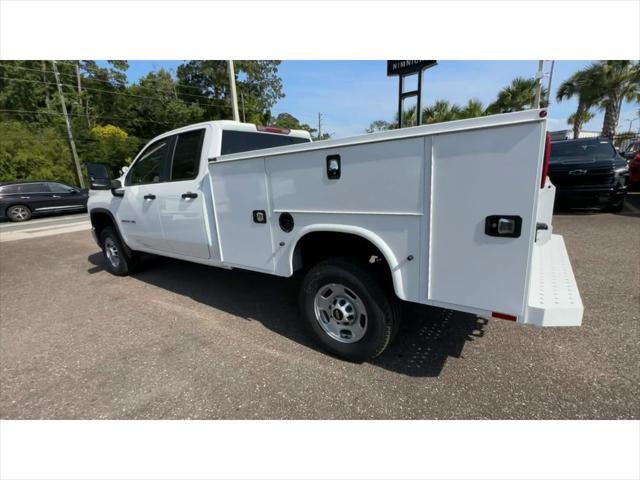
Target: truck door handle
(189, 195)
(149, 196)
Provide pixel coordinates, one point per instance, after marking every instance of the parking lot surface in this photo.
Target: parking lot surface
(180, 340)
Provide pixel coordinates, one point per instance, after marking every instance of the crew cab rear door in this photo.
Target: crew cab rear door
(181, 199)
(484, 189)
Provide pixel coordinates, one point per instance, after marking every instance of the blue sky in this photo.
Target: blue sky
(352, 94)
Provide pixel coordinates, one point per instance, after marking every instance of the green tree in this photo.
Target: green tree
(286, 120)
(155, 107)
(518, 95)
(616, 81)
(27, 152)
(583, 85)
(206, 82)
(579, 119)
(441, 111)
(474, 108)
(109, 145)
(379, 126)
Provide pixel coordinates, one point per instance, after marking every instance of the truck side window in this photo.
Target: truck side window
(186, 155)
(235, 141)
(150, 167)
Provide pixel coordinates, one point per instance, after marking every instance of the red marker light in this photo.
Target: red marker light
(262, 128)
(545, 163)
(504, 316)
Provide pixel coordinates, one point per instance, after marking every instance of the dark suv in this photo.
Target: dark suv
(19, 201)
(588, 173)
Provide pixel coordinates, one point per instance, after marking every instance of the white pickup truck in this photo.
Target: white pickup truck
(456, 215)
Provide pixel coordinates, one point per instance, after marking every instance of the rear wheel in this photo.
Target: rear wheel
(19, 213)
(347, 310)
(120, 261)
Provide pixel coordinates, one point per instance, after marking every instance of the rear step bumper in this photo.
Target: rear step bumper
(554, 299)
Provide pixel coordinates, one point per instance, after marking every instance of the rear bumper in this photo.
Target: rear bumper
(554, 299)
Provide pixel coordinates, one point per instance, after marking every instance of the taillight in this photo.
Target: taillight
(262, 128)
(504, 316)
(545, 163)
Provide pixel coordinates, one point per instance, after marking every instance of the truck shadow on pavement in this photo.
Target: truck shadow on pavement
(428, 336)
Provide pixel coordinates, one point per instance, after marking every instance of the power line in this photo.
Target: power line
(116, 93)
(209, 99)
(94, 79)
(82, 115)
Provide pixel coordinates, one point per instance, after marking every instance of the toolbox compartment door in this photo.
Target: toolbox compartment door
(478, 178)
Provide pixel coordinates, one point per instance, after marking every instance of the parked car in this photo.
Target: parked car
(632, 154)
(456, 215)
(21, 200)
(588, 173)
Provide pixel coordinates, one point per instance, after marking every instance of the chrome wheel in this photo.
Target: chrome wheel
(19, 213)
(111, 251)
(340, 313)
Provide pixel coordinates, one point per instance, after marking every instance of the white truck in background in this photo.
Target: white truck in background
(456, 215)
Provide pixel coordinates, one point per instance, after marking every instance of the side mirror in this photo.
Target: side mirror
(73, 190)
(116, 188)
(98, 176)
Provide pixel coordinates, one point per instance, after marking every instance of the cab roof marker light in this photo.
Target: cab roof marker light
(283, 131)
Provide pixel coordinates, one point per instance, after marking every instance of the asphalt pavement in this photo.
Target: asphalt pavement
(181, 340)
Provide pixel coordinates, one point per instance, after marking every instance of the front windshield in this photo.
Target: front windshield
(567, 151)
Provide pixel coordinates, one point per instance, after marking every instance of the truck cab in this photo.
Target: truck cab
(162, 204)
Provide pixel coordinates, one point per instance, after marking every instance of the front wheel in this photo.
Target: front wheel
(119, 262)
(347, 310)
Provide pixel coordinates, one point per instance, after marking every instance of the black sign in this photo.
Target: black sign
(397, 67)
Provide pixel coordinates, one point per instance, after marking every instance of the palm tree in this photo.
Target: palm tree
(441, 111)
(518, 95)
(617, 81)
(579, 119)
(583, 85)
(472, 109)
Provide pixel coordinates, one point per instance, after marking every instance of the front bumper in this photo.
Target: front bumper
(589, 197)
(554, 299)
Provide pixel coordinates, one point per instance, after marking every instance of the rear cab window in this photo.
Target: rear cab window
(234, 141)
(185, 163)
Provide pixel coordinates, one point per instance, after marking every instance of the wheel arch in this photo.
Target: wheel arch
(360, 233)
(101, 218)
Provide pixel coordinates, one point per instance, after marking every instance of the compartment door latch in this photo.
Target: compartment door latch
(509, 226)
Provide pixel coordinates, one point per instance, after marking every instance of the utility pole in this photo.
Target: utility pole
(66, 119)
(549, 86)
(47, 99)
(319, 125)
(539, 75)
(234, 96)
(244, 118)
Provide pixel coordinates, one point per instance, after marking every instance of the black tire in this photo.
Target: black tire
(112, 247)
(19, 213)
(382, 309)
